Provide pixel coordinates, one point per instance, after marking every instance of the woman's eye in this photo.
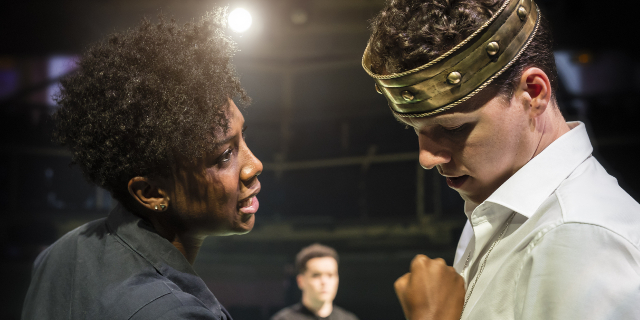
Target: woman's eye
(226, 156)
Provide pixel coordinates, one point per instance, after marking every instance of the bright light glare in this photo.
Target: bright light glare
(240, 20)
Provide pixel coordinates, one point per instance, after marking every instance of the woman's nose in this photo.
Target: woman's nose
(252, 167)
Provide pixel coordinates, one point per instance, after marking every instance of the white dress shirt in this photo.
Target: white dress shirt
(572, 250)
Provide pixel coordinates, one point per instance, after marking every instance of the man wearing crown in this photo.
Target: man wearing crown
(550, 235)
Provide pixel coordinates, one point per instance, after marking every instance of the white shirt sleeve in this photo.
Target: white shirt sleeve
(579, 271)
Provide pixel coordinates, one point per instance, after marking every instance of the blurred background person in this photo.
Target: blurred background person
(317, 267)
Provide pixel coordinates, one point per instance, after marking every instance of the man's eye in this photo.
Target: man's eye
(454, 129)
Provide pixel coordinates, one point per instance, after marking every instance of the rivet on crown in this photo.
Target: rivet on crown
(454, 77)
(378, 89)
(522, 13)
(492, 48)
(407, 95)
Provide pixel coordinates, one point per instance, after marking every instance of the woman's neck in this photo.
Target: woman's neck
(189, 247)
(187, 243)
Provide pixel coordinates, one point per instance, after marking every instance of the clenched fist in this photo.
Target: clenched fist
(431, 291)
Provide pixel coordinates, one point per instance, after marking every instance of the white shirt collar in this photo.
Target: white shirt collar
(530, 186)
(523, 192)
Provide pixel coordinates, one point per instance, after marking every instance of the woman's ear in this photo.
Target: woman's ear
(150, 194)
(535, 88)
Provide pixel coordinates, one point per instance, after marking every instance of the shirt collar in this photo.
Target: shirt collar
(139, 235)
(530, 186)
(469, 207)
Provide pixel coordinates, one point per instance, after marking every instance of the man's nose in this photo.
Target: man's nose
(432, 153)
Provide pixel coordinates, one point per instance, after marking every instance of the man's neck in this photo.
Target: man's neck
(319, 308)
(551, 126)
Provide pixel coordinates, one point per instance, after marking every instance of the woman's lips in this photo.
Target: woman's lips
(250, 205)
(456, 182)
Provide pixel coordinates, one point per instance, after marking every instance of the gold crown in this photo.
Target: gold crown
(463, 71)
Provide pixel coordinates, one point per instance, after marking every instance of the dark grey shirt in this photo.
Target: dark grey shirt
(299, 312)
(117, 268)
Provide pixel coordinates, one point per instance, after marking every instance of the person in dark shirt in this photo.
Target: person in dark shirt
(149, 116)
(317, 267)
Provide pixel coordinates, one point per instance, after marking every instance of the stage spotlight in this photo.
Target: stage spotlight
(240, 20)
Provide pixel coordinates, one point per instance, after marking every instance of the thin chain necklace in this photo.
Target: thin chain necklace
(484, 262)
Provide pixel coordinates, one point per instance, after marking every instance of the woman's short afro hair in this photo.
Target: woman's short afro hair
(145, 97)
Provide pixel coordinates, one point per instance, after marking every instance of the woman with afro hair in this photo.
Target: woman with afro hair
(149, 116)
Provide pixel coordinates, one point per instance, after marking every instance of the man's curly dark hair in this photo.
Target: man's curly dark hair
(409, 33)
(143, 98)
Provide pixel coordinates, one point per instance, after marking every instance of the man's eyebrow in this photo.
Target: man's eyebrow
(448, 118)
(444, 119)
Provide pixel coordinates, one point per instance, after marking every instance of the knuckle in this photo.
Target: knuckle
(400, 283)
(419, 259)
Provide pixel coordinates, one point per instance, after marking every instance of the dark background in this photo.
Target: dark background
(338, 168)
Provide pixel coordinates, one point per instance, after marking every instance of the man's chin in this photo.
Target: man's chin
(471, 195)
(326, 298)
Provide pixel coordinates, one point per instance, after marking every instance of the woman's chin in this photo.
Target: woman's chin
(245, 224)
(238, 228)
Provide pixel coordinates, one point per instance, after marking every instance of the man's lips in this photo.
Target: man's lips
(456, 182)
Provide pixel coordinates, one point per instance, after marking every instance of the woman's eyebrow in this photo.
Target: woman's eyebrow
(228, 138)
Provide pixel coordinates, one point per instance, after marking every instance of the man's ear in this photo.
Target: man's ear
(536, 90)
(149, 194)
(299, 281)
